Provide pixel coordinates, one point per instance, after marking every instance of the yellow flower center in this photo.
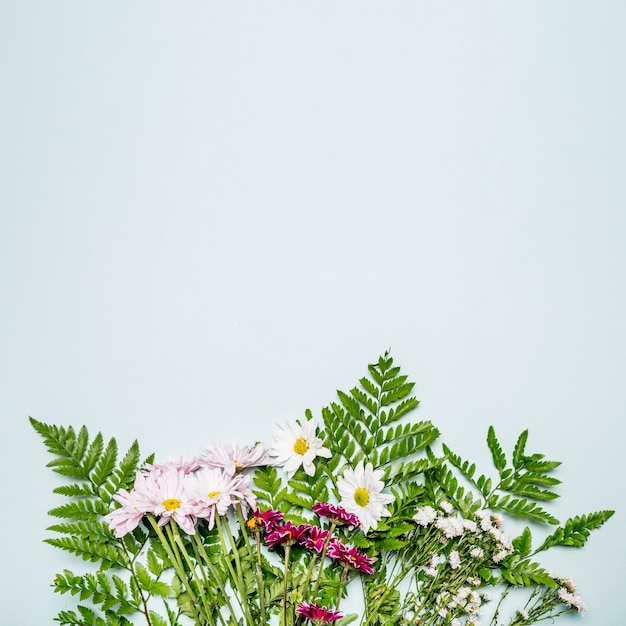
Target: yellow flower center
(212, 494)
(361, 496)
(170, 504)
(301, 446)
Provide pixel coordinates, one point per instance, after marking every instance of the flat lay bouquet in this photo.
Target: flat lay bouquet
(359, 515)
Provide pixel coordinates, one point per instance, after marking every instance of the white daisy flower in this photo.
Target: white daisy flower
(360, 490)
(297, 445)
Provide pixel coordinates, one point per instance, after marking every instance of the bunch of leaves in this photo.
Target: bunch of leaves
(130, 571)
(521, 486)
(370, 423)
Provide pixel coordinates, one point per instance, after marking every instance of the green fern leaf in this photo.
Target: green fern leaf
(499, 459)
(105, 465)
(523, 543)
(75, 490)
(518, 451)
(93, 454)
(80, 510)
(521, 508)
(157, 620)
(576, 530)
(371, 388)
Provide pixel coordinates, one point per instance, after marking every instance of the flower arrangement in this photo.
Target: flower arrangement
(357, 510)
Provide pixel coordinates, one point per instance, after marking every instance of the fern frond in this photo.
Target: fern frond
(105, 465)
(520, 507)
(499, 459)
(576, 530)
(108, 555)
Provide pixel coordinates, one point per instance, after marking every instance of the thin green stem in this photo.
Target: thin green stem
(259, 576)
(175, 535)
(320, 569)
(286, 583)
(236, 577)
(204, 557)
(342, 584)
(131, 569)
(176, 562)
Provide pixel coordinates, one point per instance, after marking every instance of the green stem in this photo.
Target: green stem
(176, 562)
(175, 535)
(236, 577)
(259, 576)
(286, 583)
(320, 569)
(199, 547)
(131, 569)
(342, 584)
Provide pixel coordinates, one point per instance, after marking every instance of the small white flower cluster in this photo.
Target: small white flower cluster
(466, 602)
(571, 599)
(455, 549)
(567, 592)
(485, 530)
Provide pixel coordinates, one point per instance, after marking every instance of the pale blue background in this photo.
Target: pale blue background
(214, 215)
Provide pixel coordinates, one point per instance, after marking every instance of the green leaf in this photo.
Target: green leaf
(576, 530)
(157, 620)
(106, 464)
(523, 543)
(521, 508)
(499, 460)
(518, 451)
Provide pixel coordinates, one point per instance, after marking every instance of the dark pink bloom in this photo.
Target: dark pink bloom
(314, 538)
(350, 557)
(336, 513)
(287, 534)
(318, 614)
(264, 519)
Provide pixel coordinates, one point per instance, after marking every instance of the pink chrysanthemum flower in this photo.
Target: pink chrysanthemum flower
(350, 557)
(167, 497)
(233, 458)
(242, 494)
(336, 514)
(185, 463)
(134, 506)
(318, 614)
(211, 492)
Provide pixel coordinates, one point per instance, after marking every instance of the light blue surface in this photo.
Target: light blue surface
(215, 215)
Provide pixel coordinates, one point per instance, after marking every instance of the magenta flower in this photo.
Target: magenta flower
(264, 519)
(336, 514)
(318, 614)
(313, 538)
(350, 557)
(287, 534)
